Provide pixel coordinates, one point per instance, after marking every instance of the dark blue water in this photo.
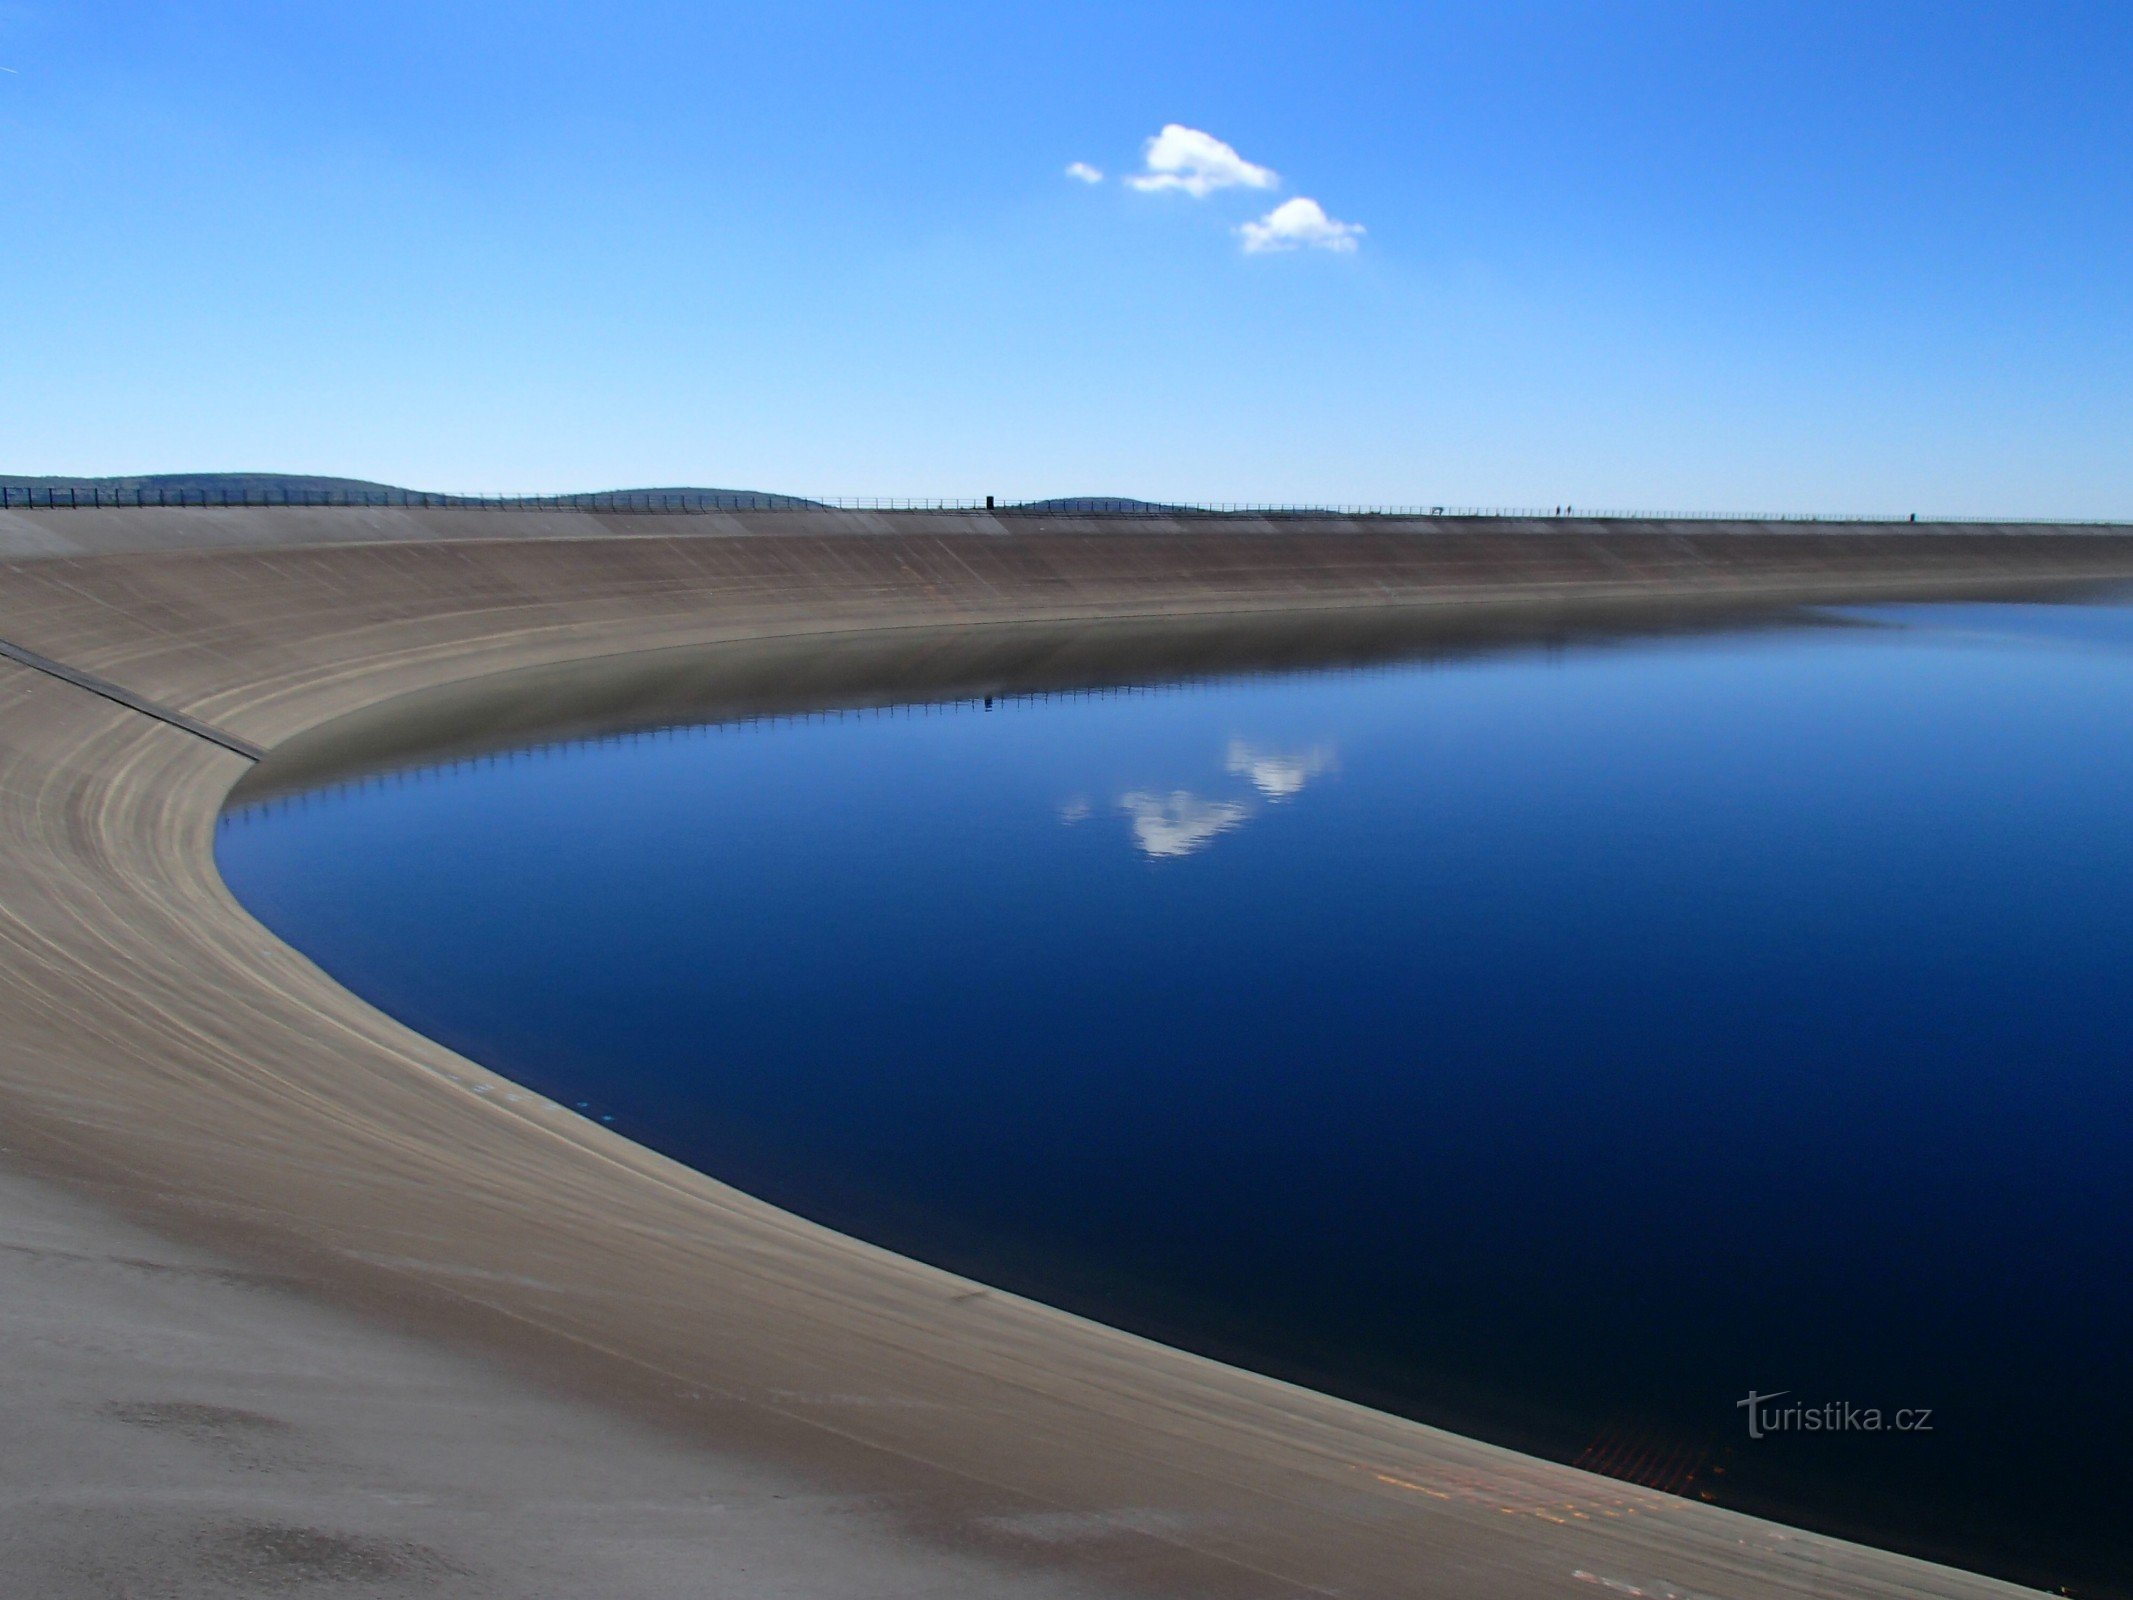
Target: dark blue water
(1555, 1045)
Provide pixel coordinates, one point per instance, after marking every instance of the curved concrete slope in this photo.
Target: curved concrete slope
(157, 1043)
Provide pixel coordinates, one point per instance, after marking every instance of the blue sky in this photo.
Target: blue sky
(1722, 256)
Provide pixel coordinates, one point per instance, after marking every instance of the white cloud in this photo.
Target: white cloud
(1277, 774)
(1296, 223)
(1179, 824)
(1074, 810)
(1085, 173)
(1198, 163)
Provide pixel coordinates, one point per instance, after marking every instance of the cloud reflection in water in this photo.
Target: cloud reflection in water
(1179, 823)
(1183, 822)
(1277, 774)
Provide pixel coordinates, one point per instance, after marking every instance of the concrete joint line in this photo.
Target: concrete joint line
(120, 695)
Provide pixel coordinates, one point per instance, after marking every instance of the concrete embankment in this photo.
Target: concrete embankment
(170, 1060)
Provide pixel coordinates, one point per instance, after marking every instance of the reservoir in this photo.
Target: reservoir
(1570, 1044)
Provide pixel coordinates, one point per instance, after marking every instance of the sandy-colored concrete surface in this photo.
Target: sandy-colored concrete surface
(178, 1424)
(425, 1280)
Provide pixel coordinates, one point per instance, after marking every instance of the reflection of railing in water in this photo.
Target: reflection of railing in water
(764, 722)
(1649, 1459)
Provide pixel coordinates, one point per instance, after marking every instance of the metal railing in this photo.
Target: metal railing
(89, 496)
(642, 502)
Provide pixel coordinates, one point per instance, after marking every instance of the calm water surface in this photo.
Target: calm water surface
(1557, 1045)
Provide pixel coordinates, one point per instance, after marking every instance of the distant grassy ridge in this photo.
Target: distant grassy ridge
(301, 489)
(297, 489)
(289, 488)
(268, 489)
